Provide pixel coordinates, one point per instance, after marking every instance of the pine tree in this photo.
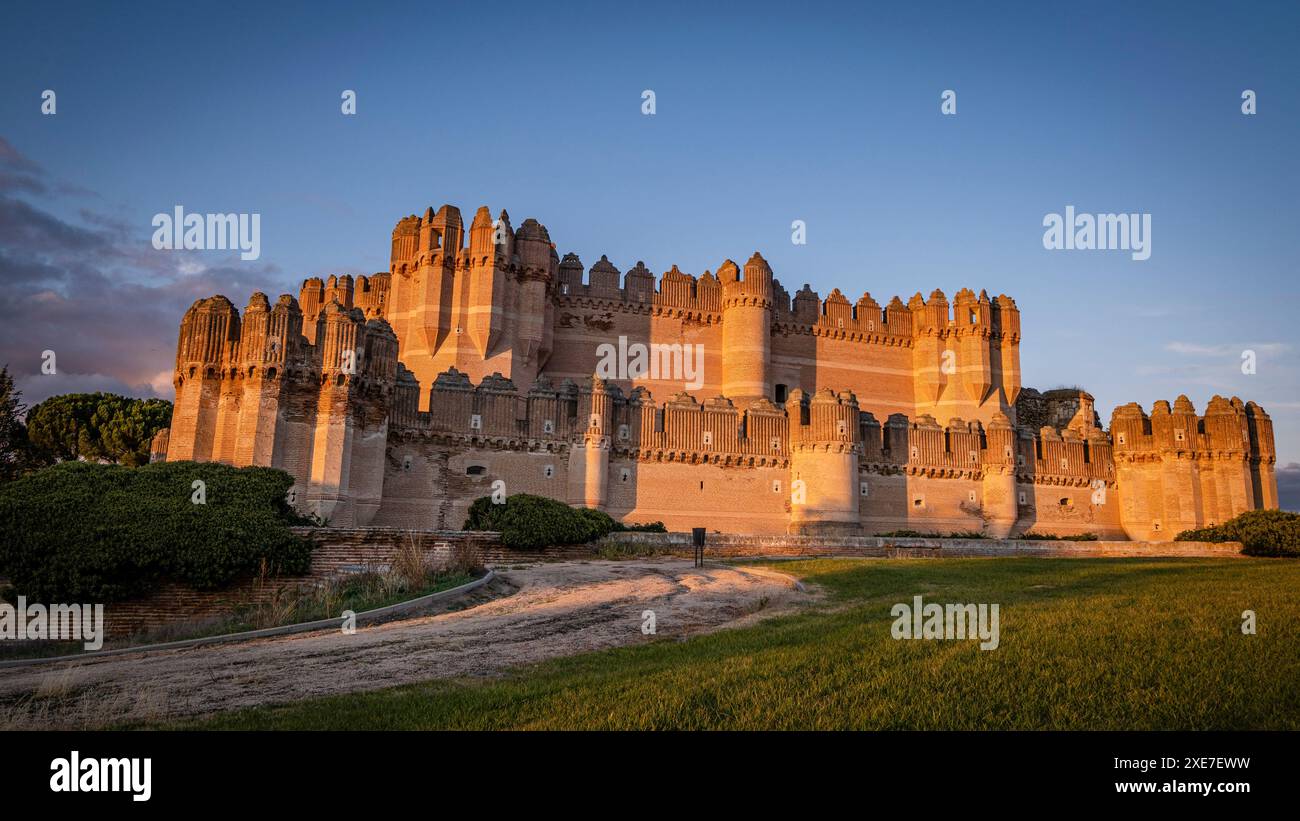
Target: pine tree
(15, 451)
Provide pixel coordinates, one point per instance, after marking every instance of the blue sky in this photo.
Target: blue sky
(765, 114)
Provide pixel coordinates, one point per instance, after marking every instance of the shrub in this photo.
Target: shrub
(528, 522)
(1052, 537)
(93, 532)
(916, 534)
(644, 527)
(1261, 533)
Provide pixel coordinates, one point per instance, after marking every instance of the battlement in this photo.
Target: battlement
(684, 428)
(1229, 428)
(482, 353)
(270, 341)
(755, 284)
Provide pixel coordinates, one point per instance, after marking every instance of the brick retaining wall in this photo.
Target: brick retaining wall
(337, 553)
(736, 546)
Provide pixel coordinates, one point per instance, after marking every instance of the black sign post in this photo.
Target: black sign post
(697, 536)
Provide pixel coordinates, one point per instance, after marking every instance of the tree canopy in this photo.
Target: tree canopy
(97, 427)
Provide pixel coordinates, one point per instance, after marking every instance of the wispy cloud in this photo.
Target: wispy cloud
(1226, 350)
(95, 292)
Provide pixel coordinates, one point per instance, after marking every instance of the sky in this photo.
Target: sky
(764, 114)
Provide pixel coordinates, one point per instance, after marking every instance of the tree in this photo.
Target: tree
(15, 451)
(126, 436)
(97, 427)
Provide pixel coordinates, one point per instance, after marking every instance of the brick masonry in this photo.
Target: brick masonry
(337, 553)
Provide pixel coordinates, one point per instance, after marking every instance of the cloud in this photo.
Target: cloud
(1288, 487)
(95, 292)
(1193, 349)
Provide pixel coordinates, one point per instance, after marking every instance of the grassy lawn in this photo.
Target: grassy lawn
(1085, 644)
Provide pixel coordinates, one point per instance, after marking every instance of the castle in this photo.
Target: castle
(397, 399)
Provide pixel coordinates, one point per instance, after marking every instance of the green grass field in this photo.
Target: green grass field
(1085, 644)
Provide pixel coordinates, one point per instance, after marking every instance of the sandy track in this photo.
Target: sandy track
(530, 614)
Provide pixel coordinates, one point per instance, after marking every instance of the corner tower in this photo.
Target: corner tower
(825, 443)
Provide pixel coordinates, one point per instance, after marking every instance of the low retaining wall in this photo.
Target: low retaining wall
(886, 547)
(368, 617)
(338, 552)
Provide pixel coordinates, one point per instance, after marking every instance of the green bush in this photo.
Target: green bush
(528, 522)
(916, 534)
(1052, 537)
(1261, 533)
(645, 527)
(80, 531)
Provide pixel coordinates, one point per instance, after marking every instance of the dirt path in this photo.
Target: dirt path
(541, 611)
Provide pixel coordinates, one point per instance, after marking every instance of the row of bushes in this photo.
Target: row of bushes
(1261, 533)
(918, 534)
(975, 534)
(528, 522)
(81, 531)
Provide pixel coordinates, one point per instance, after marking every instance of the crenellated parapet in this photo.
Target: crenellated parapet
(1189, 470)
